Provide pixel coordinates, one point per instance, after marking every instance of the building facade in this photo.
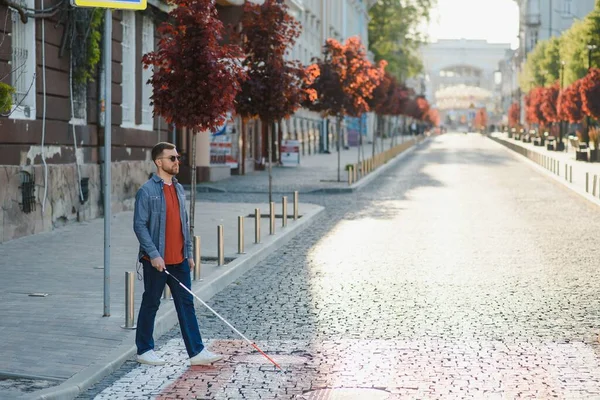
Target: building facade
(52, 139)
(460, 76)
(538, 20)
(543, 19)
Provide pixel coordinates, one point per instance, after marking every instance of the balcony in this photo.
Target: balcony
(533, 19)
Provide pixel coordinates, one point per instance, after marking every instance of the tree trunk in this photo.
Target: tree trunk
(395, 132)
(339, 145)
(375, 133)
(193, 184)
(243, 152)
(270, 151)
(359, 144)
(279, 141)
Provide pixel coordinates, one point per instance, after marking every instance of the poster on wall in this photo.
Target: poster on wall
(354, 128)
(222, 149)
(290, 153)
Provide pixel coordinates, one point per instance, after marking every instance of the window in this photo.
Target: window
(128, 65)
(147, 47)
(567, 7)
(22, 64)
(534, 39)
(79, 104)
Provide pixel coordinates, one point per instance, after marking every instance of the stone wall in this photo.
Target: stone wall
(62, 203)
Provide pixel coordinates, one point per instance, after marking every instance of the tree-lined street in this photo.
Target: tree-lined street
(460, 272)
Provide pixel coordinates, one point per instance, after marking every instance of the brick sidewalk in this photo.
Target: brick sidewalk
(317, 172)
(575, 169)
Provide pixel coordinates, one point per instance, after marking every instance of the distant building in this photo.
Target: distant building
(461, 76)
(543, 19)
(538, 20)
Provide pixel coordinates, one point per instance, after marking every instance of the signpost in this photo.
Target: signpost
(109, 6)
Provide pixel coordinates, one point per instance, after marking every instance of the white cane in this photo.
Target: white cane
(223, 319)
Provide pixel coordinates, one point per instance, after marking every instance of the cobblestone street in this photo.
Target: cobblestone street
(462, 272)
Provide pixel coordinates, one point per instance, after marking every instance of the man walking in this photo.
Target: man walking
(160, 222)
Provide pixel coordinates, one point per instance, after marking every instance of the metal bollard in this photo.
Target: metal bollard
(167, 293)
(220, 247)
(350, 175)
(257, 225)
(587, 182)
(566, 172)
(355, 173)
(594, 185)
(557, 167)
(240, 234)
(272, 218)
(570, 174)
(129, 313)
(284, 211)
(295, 205)
(197, 259)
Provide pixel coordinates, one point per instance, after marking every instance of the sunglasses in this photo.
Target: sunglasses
(172, 158)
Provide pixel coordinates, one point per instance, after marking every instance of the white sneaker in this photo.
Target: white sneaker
(205, 357)
(150, 357)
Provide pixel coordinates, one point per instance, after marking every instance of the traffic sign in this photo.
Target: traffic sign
(114, 4)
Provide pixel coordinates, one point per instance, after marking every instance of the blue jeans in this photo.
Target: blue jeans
(154, 284)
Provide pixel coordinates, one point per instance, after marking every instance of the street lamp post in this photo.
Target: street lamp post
(591, 48)
(562, 84)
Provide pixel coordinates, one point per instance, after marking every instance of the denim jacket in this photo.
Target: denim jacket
(150, 218)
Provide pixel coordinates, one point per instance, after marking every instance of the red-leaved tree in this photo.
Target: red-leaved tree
(514, 115)
(569, 103)
(400, 97)
(273, 90)
(195, 78)
(481, 119)
(548, 103)
(534, 102)
(433, 117)
(422, 107)
(342, 82)
(590, 93)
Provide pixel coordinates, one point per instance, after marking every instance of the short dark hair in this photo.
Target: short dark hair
(159, 148)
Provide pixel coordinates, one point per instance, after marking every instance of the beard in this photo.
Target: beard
(174, 170)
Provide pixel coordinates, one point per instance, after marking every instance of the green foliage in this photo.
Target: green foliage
(86, 72)
(550, 63)
(394, 34)
(574, 51)
(574, 46)
(533, 74)
(6, 93)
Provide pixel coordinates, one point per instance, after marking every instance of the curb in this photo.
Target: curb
(94, 373)
(544, 171)
(356, 186)
(367, 179)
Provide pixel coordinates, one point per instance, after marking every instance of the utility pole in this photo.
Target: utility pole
(108, 6)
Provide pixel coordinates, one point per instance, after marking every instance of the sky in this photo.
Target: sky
(496, 21)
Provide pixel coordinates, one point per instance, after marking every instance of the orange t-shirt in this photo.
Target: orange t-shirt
(173, 229)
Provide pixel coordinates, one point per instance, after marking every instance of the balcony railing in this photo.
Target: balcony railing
(532, 19)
